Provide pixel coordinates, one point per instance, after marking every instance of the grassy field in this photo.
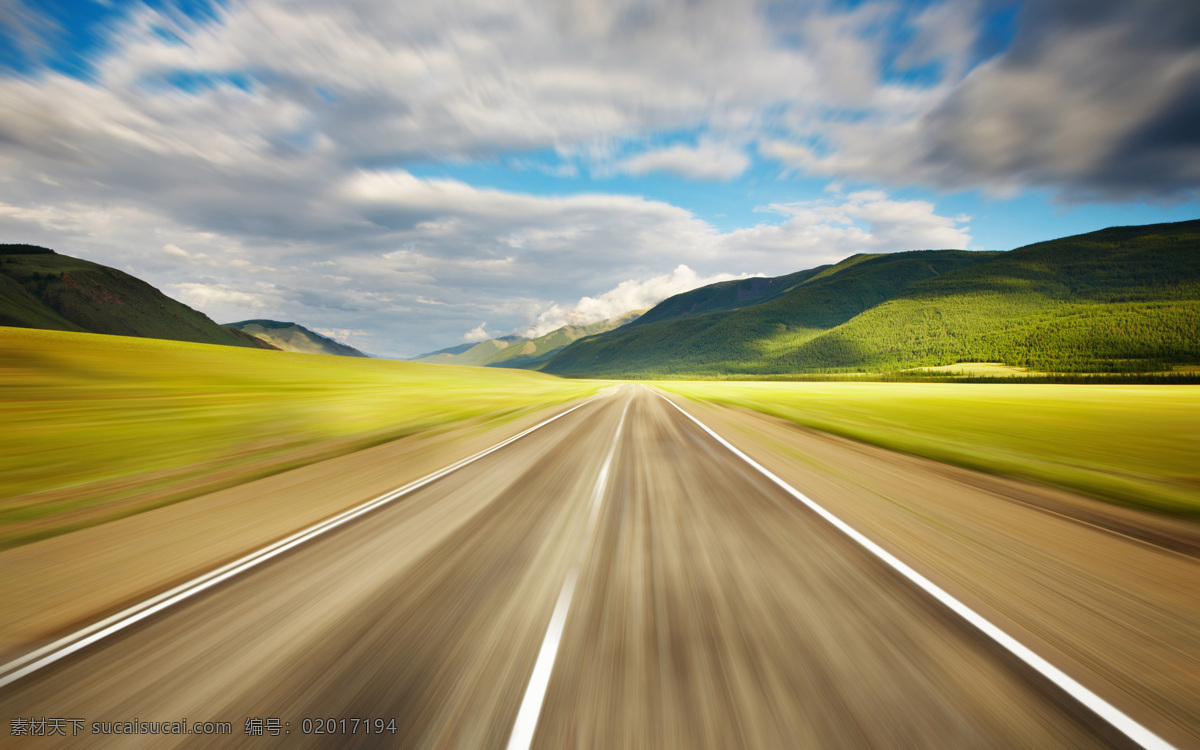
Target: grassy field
(1136, 445)
(978, 369)
(100, 427)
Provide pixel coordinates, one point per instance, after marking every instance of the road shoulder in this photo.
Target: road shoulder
(1113, 610)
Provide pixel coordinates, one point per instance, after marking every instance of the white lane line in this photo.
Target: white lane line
(1105, 710)
(535, 693)
(35, 660)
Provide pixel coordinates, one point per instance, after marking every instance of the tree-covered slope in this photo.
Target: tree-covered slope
(1121, 299)
(41, 289)
(738, 340)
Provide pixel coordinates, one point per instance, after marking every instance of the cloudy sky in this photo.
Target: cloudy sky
(410, 175)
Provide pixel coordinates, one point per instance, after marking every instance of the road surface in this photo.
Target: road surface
(697, 604)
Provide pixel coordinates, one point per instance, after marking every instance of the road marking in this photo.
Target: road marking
(35, 660)
(1105, 710)
(535, 693)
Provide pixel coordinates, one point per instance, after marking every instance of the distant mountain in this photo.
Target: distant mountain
(41, 289)
(293, 337)
(1124, 299)
(514, 351)
(448, 350)
(479, 355)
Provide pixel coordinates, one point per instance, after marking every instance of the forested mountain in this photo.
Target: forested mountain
(1124, 299)
(40, 288)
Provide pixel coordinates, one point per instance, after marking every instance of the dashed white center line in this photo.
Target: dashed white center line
(535, 694)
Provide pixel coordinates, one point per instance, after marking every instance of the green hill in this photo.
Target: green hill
(293, 337)
(477, 355)
(727, 295)
(1125, 299)
(448, 350)
(41, 289)
(514, 351)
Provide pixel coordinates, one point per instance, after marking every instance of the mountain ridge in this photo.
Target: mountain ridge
(293, 337)
(1121, 299)
(521, 352)
(40, 288)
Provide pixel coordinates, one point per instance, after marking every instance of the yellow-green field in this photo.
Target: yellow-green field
(99, 427)
(1138, 445)
(978, 369)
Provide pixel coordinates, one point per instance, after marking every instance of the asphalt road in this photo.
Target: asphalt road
(709, 609)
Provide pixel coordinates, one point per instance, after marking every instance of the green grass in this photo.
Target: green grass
(1135, 445)
(92, 422)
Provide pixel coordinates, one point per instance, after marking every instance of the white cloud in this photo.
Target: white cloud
(1090, 96)
(825, 231)
(477, 334)
(216, 297)
(868, 221)
(330, 87)
(348, 336)
(454, 78)
(627, 296)
(708, 160)
(451, 200)
(1093, 100)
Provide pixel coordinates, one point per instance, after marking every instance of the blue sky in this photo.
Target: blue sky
(407, 176)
